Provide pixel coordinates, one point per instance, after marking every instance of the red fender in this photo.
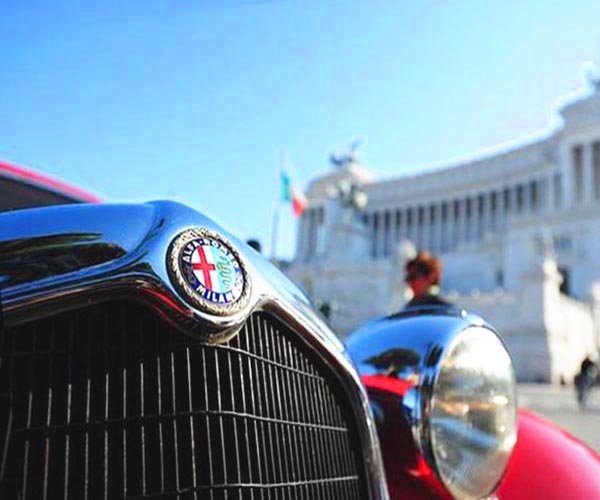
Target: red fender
(547, 462)
(550, 464)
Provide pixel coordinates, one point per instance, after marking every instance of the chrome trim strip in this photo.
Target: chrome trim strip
(92, 253)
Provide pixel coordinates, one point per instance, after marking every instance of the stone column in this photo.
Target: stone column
(416, 230)
(527, 195)
(438, 235)
(433, 225)
(407, 231)
(312, 229)
(475, 219)
(512, 201)
(457, 224)
(381, 234)
(500, 210)
(306, 243)
(302, 237)
(402, 227)
(596, 169)
(542, 184)
(470, 218)
(372, 235)
(399, 225)
(568, 176)
(449, 226)
(462, 222)
(410, 230)
(323, 228)
(441, 228)
(426, 228)
(588, 174)
(492, 212)
(479, 216)
(538, 201)
(474, 222)
(385, 232)
(548, 199)
(487, 214)
(393, 231)
(387, 227)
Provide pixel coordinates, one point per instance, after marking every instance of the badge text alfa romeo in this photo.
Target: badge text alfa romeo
(208, 270)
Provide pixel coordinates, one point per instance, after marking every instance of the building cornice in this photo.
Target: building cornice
(503, 169)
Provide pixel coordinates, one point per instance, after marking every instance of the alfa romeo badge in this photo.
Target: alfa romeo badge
(209, 271)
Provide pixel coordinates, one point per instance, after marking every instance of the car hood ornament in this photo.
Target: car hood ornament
(209, 272)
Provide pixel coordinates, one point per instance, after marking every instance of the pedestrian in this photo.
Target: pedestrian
(423, 275)
(585, 380)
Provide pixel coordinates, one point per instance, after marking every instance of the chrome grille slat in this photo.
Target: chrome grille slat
(68, 418)
(28, 422)
(114, 403)
(242, 385)
(106, 414)
(124, 414)
(143, 426)
(48, 417)
(191, 416)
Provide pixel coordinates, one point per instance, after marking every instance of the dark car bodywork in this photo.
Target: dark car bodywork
(24, 188)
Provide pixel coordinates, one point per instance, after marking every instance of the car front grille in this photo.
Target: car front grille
(109, 401)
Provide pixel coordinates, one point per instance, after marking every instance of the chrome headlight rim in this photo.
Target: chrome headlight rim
(425, 400)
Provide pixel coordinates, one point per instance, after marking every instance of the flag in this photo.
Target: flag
(290, 194)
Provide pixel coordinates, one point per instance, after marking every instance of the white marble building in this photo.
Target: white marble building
(518, 232)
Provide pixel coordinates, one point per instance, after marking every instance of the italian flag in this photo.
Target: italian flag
(290, 194)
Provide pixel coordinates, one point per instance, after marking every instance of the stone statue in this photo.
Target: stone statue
(347, 236)
(351, 196)
(344, 160)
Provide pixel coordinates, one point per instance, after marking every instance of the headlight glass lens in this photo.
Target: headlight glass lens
(473, 421)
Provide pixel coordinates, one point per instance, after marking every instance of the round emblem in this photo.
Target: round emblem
(209, 271)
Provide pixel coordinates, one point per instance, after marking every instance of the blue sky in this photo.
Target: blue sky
(193, 100)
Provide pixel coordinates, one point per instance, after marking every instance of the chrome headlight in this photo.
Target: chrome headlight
(468, 423)
(448, 376)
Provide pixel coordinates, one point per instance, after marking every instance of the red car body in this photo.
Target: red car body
(547, 462)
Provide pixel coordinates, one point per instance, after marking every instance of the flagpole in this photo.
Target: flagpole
(276, 209)
(275, 230)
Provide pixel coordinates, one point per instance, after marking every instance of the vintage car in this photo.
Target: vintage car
(148, 353)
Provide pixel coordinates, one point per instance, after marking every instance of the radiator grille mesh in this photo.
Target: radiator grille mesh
(110, 402)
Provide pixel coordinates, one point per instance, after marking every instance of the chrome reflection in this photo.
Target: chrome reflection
(30, 259)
